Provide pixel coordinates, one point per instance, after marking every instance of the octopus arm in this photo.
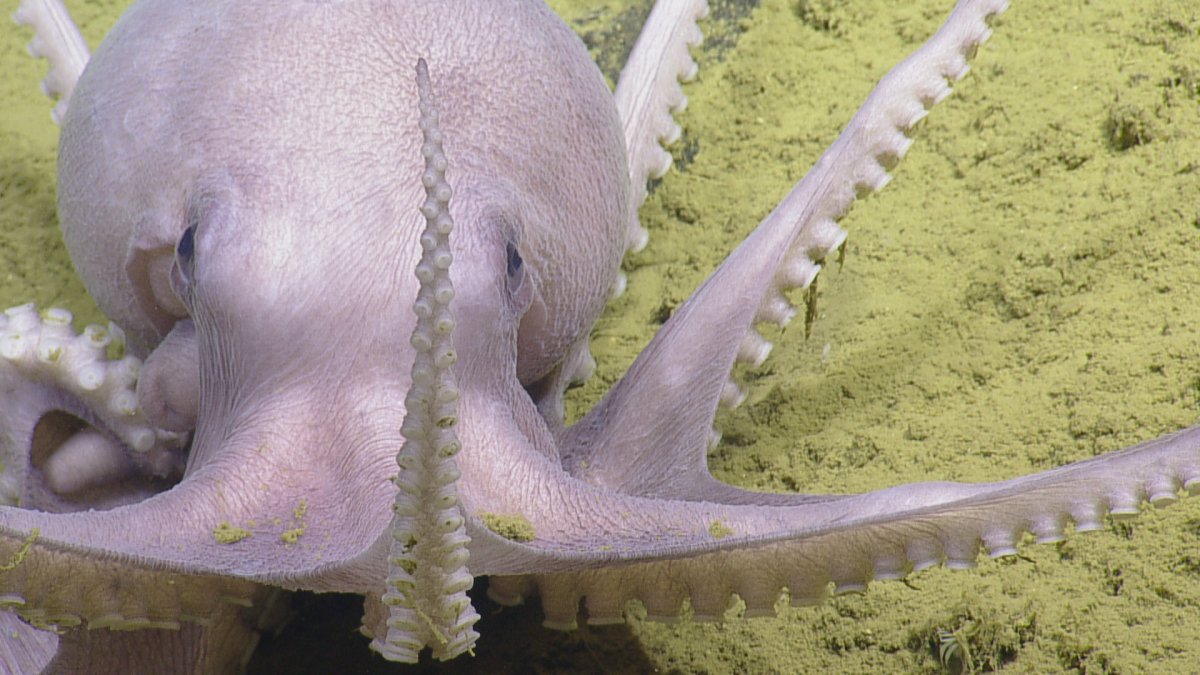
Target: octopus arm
(663, 552)
(649, 434)
(57, 39)
(60, 588)
(152, 552)
(648, 93)
(71, 434)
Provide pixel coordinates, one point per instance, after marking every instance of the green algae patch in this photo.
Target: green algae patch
(511, 527)
(225, 533)
(719, 530)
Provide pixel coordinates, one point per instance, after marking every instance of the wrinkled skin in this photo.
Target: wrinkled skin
(238, 318)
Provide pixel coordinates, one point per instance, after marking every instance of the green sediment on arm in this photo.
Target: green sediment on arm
(225, 533)
(511, 527)
(719, 530)
(292, 536)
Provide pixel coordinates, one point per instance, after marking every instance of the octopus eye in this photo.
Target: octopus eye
(519, 291)
(185, 253)
(187, 244)
(515, 264)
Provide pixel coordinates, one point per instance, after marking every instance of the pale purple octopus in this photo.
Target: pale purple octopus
(243, 203)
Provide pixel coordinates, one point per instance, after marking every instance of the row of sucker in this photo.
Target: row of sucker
(960, 522)
(428, 579)
(54, 589)
(857, 164)
(659, 62)
(56, 39)
(44, 349)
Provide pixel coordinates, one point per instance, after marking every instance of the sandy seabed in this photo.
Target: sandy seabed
(1025, 293)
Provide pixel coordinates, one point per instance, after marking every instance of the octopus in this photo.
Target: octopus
(1002, 277)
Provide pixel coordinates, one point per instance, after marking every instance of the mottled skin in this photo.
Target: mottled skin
(266, 293)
